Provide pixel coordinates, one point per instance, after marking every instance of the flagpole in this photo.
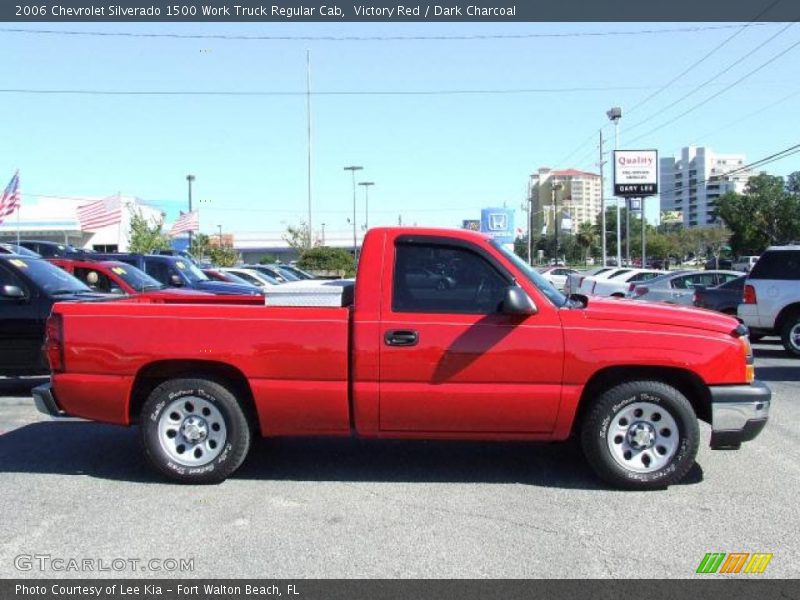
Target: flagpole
(18, 207)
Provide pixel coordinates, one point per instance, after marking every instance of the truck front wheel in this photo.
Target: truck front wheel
(641, 435)
(194, 431)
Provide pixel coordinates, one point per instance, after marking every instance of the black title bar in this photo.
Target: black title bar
(335, 11)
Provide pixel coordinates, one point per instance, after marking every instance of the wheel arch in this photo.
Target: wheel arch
(786, 312)
(155, 373)
(685, 381)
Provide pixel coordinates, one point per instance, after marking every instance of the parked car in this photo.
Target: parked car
(51, 249)
(120, 278)
(677, 287)
(724, 298)
(557, 275)
(745, 263)
(8, 248)
(617, 285)
(297, 271)
(724, 264)
(500, 354)
(771, 299)
(218, 274)
(275, 272)
(175, 271)
(29, 286)
(574, 280)
(252, 276)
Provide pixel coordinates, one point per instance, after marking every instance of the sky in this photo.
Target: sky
(435, 158)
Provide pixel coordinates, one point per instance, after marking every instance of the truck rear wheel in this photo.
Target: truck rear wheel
(641, 435)
(194, 431)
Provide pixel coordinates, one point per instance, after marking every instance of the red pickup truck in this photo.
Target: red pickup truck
(448, 335)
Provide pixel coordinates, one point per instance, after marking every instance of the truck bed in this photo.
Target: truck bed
(295, 359)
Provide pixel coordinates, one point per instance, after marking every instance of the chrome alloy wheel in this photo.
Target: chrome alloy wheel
(794, 336)
(192, 431)
(643, 437)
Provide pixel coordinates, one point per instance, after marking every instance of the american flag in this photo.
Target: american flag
(9, 201)
(186, 222)
(100, 213)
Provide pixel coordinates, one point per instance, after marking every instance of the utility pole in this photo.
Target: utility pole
(190, 179)
(628, 230)
(308, 132)
(553, 188)
(615, 114)
(366, 185)
(353, 169)
(220, 235)
(602, 201)
(323, 234)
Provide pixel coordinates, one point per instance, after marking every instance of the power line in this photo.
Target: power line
(376, 38)
(706, 56)
(452, 92)
(716, 94)
(714, 77)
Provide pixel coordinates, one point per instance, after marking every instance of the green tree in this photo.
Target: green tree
(324, 258)
(586, 237)
(200, 246)
(793, 183)
(298, 238)
(267, 260)
(223, 256)
(766, 213)
(145, 235)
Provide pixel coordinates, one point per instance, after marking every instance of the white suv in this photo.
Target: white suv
(771, 303)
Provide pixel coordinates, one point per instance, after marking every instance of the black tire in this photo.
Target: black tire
(792, 322)
(227, 455)
(596, 442)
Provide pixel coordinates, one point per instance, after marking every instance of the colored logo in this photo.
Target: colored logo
(735, 562)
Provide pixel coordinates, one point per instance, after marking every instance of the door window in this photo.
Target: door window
(445, 279)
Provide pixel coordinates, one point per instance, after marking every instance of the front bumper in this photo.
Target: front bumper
(45, 400)
(738, 413)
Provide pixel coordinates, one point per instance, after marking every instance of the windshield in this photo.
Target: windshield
(190, 270)
(547, 288)
(135, 278)
(51, 279)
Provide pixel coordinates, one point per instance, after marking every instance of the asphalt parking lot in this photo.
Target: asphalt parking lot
(347, 508)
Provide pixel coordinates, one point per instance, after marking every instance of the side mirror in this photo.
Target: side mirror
(175, 280)
(517, 302)
(12, 291)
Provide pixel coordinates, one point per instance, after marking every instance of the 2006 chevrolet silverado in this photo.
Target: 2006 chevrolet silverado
(448, 335)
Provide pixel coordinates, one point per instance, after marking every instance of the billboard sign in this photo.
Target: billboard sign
(499, 223)
(635, 173)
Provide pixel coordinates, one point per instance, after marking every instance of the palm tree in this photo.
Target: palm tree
(585, 238)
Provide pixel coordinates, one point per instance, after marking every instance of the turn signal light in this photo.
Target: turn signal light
(749, 295)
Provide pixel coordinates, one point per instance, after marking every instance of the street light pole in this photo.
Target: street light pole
(366, 185)
(530, 219)
(602, 201)
(220, 235)
(353, 169)
(190, 179)
(615, 114)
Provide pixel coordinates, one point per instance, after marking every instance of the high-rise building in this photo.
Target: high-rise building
(692, 183)
(576, 197)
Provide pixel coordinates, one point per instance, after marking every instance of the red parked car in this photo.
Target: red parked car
(496, 354)
(116, 277)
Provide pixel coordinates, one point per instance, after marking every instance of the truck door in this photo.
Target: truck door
(450, 361)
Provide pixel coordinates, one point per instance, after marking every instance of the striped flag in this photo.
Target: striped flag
(9, 201)
(100, 213)
(186, 222)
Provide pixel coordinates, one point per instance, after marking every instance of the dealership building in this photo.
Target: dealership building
(55, 219)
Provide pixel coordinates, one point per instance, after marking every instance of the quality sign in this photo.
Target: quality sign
(635, 173)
